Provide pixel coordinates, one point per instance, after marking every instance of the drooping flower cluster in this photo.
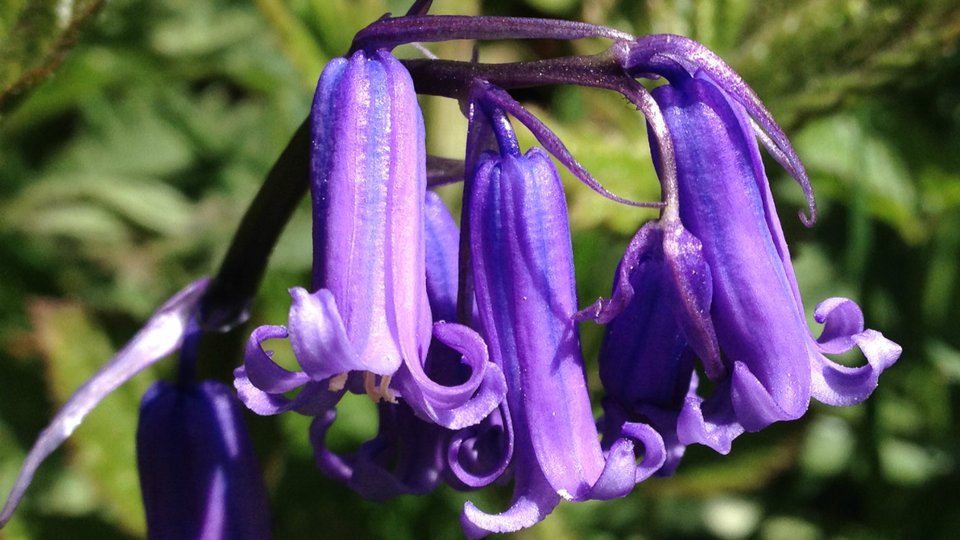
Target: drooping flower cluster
(467, 340)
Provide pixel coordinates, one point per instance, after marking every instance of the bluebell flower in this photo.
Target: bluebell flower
(409, 455)
(367, 325)
(712, 279)
(522, 269)
(198, 474)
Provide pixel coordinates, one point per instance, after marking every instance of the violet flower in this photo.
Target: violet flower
(198, 474)
(367, 326)
(409, 455)
(713, 279)
(522, 268)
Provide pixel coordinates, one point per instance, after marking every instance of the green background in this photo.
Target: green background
(133, 135)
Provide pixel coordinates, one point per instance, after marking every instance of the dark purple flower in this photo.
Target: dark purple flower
(367, 326)
(522, 266)
(198, 474)
(712, 279)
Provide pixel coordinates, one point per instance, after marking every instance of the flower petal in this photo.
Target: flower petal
(842, 319)
(479, 455)
(692, 292)
(523, 271)
(442, 241)
(754, 309)
(313, 398)
(198, 474)
(160, 336)
(460, 405)
(838, 385)
(260, 368)
(536, 500)
(319, 340)
(711, 422)
(368, 177)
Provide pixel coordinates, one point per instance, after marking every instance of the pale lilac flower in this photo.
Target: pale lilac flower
(367, 325)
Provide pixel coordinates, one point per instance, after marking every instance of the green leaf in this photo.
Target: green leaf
(846, 160)
(34, 38)
(146, 203)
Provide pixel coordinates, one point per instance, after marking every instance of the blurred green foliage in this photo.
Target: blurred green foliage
(128, 160)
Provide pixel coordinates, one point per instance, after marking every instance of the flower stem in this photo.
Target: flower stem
(227, 301)
(390, 32)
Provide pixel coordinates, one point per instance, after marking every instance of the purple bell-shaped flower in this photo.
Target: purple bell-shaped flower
(198, 474)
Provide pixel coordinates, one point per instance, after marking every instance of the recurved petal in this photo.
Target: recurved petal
(710, 422)
(459, 405)
(756, 406)
(319, 340)
(480, 454)
(841, 319)
(312, 399)
(260, 368)
(839, 385)
(534, 500)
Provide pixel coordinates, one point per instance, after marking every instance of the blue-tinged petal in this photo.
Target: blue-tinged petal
(646, 363)
(727, 279)
(528, 508)
(690, 285)
(319, 338)
(312, 399)
(198, 475)
(368, 183)
(456, 386)
(841, 319)
(454, 406)
(671, 55)
(442, 249)
(523, 273)
(754, 311)
(711, 422)
(161, 335)
(260, 368)
(644, 357)
(835, 384)
(479, 455)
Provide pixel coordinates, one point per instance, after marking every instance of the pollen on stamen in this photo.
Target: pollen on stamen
(337, 382)
(379, 391)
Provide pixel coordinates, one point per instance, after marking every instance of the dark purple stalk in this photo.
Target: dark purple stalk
(228, 299)
(388, 33)
(453, 79)
(420, 7)
(442, 171)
